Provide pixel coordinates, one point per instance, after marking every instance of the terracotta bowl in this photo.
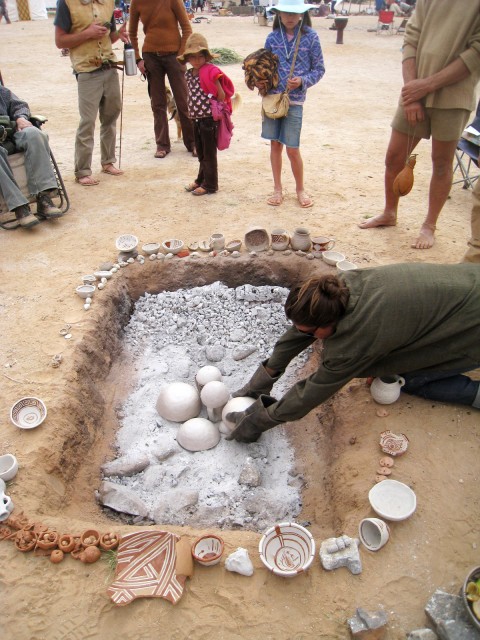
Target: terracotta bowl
(66, 543)
(109, 541)
(207, 550)
(47, 540)
(287, 549)
(25, 540)
(90, 538)
(28, 412)
(126, 242)
(472, 576)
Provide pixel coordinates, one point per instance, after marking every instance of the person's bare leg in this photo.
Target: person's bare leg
(399, 147)
(276, 149)
(296, 164)
(440, 185)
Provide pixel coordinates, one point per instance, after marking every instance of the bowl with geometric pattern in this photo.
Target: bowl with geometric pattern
(28, 412)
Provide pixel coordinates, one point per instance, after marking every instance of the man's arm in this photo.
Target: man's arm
(184, 22)
(416, 89)
(64, 40)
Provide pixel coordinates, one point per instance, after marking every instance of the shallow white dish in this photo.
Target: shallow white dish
(103, 274)
(332, 257)
(198, 434)
(392, 500)
(345, 265)
(85, 290)
(151, 247)
(287, 549)
(126, 242)
(28, 413)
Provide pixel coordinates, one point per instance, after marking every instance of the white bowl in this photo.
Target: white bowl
(126, 242)
(89, 279)
(85, 290)
(207, 550)
(103, 274)
(150, 247)
(8, 467)
(178, 402)
(345, 265)
(332, 257)
(28, 413)
(207, 374)
(215, 394)
(198, 434)
(287, 549)
(172, 246)
(235, 404)
(392, 500)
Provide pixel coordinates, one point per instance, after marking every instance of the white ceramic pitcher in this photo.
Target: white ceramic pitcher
(386, 389)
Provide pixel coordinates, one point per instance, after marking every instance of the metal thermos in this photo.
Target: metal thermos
(130, 64)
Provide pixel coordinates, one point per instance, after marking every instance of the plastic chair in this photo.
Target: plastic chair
(401, 27)
(17, 164)
(467, 154)
(385, 21)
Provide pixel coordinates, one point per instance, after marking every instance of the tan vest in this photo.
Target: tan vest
(90, 55)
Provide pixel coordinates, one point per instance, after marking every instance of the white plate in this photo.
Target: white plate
(392, 500)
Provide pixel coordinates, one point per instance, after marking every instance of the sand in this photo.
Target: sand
(345, 133)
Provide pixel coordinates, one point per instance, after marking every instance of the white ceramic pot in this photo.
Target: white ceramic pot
(280, 239)
(374, 533)
(8, 467)
(301, 240)
(386, 389)
(217, 241)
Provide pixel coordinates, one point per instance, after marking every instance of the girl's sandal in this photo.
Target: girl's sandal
(191, 187)
(305, 200)
(276, 199)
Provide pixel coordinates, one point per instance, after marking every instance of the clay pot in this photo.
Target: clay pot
(90, 538)
(301, 240)
(25, 540)
(66, 543)
(90, 555)
(403, 183)
(56, 556)
(109, 541)
(386, 390)
(47, 540)
(280, 239)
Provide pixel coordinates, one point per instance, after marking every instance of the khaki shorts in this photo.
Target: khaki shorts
(444, 125)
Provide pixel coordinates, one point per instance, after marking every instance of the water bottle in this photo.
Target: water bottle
(129, 62)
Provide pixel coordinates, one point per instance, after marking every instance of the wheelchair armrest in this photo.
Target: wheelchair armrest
(38, 120)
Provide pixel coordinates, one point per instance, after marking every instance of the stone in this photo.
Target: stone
(257, 450)
(449, 618)
(153, 477)
(126, 465)
(122, 499)
(368, 626)
(422, 634)
(250, 475)
(174, 506)
(243, 352)
(239, 562)
(341, 552)
(164, 452)
(214, 352)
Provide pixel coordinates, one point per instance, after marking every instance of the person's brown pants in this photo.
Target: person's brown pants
(157, 67)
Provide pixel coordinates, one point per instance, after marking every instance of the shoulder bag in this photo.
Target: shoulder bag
(276, 105)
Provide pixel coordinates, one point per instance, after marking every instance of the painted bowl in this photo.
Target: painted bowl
(207, 550)
(332, 257)
(150, 247)
(345, 265)
(85, 291)
(392, 500)
(287, 549)
(8, 467)
(471, 596)
(257, 239)
(172, 246)
(126, 242)
(28, 413)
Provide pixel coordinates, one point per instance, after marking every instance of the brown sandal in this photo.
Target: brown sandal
(191, 187)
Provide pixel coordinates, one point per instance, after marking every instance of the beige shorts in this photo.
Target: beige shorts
(444, 125)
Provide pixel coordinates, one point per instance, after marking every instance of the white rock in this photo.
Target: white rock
(239, 562)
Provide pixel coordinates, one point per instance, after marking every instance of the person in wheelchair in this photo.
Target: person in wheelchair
(42, 183)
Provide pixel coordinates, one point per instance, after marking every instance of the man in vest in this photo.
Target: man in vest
(87, 29)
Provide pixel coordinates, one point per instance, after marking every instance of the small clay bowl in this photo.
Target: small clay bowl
(90, 538)
(85, 291)
(150, 247)
(172, 246)
(25, 540)
(109, 541)
(89, 279)
(47, 540)
(233, 245)
(126, 242)
(207, 550)
(66, 543)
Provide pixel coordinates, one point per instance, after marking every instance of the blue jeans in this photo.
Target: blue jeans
(38, 167)
(443, 386)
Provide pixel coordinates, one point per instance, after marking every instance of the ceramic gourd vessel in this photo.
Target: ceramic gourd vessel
(403, 183)
(300, 240)
(387, 389)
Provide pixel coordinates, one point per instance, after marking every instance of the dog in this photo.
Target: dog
(173, 112)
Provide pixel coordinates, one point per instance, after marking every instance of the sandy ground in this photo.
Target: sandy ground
(345, 133)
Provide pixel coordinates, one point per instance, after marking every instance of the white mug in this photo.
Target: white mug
(374, 533)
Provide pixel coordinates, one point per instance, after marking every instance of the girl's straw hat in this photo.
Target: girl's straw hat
(292, 6)
(196, 43)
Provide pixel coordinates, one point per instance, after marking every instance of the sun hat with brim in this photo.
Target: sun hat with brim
(196, 43)
(292, 6)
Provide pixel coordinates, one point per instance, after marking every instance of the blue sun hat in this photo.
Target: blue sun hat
(292, 6)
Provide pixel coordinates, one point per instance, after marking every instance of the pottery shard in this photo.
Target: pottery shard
(214, 352)
(243, 352)
(368, 626)
(126, 465)
(121, 499)
(250, 475)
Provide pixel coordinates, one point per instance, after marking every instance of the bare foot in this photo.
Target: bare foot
(382, 220)
(425, 238)
(276, 199)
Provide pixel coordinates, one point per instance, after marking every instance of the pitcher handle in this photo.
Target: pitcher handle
(331, 244)
(401, 381)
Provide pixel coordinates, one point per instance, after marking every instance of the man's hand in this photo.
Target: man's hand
(23, 123)
(141, 67)
(95, 31)
(415, 90)
(122, 33)
(414, 112)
